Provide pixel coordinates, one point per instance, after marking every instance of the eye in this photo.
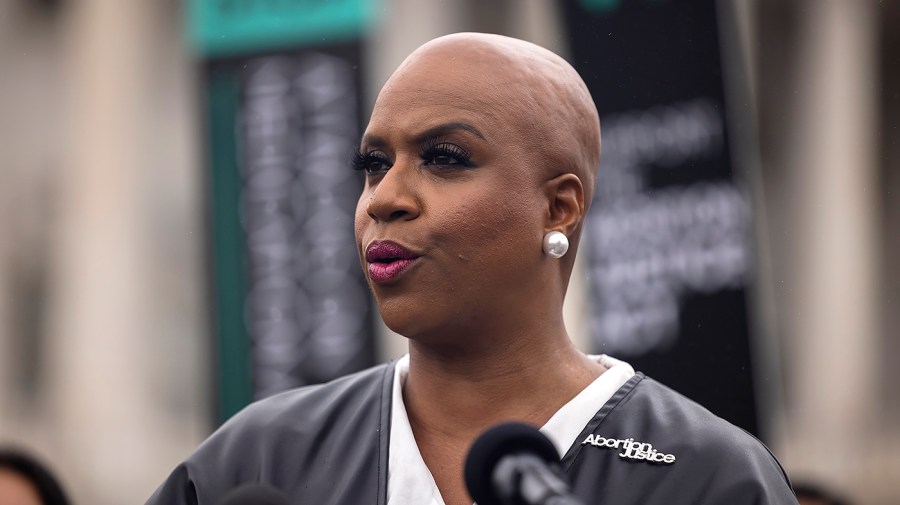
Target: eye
(445, 154)
(442, 159)
(373, 163)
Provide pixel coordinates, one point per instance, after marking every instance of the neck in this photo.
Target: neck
(487, 379)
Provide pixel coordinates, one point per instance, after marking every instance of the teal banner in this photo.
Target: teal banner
(606, 6)
(221, 28)
(234, 386)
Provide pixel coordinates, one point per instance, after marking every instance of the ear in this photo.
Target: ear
(565, 199)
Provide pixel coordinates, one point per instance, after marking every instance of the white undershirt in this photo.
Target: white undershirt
(411, 483)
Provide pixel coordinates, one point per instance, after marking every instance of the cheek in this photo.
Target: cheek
(361, 218)
(361, 222)
(487, 226)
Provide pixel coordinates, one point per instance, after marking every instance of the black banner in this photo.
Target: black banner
(668, 239)
(286, 198)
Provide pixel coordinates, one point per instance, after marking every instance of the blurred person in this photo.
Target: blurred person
(25, 481)
(479, 161)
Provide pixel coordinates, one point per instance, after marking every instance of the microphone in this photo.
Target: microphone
(515, 464)
(254, 494)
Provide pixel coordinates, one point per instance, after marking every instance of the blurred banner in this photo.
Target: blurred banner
(224, 28)
(282, 92)
(668, 240)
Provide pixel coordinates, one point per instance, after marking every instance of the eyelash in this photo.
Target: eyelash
(433, 148)
(361, 162)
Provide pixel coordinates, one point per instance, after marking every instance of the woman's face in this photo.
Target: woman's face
(17, 490)
(450, 221)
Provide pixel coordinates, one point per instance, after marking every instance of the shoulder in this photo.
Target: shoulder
(312, 402)
(263, 441)
(669, 449)
(688, 424)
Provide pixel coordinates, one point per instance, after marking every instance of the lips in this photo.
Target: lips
(387, 260)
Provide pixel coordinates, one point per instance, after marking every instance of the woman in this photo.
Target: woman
(25, 481)
(479, 161)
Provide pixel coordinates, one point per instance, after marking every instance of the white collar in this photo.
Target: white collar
(410, 482)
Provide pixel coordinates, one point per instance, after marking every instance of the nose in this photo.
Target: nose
(395, 196)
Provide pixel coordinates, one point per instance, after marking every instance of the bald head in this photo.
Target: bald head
(532, 91)
(477, 148)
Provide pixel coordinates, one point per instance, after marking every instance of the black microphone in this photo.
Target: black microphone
(515, 464)
(254, 494)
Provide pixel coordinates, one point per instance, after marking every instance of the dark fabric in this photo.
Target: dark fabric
(715, 462)
(328, 445)
(324, 444)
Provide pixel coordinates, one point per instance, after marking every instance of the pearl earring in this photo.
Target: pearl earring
(555, 244)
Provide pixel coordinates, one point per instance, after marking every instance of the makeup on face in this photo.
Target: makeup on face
(438, 147)
(386, 260)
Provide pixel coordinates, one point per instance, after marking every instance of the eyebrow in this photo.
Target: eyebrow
(436, 131)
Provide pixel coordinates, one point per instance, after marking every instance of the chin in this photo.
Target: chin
(408, 319)
(401, 322)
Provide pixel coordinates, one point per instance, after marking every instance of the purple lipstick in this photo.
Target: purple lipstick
(387, 260)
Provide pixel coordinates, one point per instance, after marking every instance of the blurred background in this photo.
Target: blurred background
(176, 215)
